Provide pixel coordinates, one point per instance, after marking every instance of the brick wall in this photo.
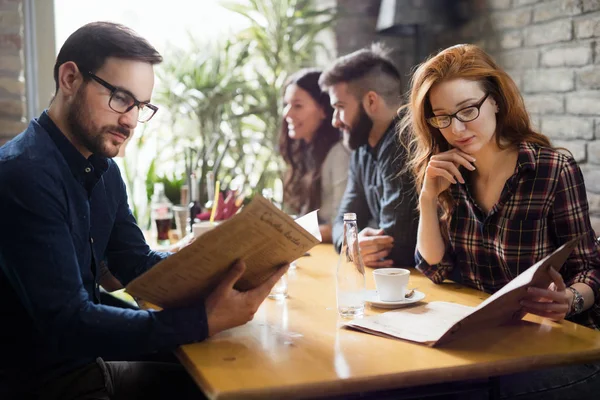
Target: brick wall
(12, 87)
(551, 48)
(355, 29)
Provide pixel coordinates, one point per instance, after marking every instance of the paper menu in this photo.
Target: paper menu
(423, 324)
(310, 222)
(261, 234)
(439, 322)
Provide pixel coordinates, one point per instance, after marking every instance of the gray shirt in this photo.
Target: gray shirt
(376, 192)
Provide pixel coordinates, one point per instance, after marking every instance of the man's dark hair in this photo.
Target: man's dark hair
(366, 70)
(90, 46)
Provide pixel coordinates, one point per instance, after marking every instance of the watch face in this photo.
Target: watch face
(577, 302)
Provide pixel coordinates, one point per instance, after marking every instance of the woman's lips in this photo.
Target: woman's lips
(465, 141)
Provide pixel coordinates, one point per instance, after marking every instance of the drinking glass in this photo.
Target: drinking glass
(280, 290)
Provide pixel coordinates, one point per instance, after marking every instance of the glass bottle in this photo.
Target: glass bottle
(210, 190)
(350, 277)
(161, 213)
(194, 205)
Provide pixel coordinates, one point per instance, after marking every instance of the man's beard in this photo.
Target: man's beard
(86, 133)
(358, 134)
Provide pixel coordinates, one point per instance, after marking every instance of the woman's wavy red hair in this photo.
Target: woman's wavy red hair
(470, 62)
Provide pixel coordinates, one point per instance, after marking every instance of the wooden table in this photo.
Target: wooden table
(294, 348)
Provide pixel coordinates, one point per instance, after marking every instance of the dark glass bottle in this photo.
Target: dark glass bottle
(194, 206)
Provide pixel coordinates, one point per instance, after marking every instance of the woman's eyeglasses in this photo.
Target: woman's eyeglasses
(466, 114)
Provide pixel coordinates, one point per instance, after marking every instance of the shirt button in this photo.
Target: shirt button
(88, 169)
(91, 240)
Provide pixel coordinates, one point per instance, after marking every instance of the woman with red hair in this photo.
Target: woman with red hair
(494, 195)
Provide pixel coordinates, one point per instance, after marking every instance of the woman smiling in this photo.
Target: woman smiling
(317, 162)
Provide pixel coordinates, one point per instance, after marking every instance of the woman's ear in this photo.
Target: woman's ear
(494, 104)
(322, 113)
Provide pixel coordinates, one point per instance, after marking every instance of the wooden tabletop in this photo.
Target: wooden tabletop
(294, 348)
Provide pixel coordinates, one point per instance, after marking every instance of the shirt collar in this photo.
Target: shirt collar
(526, 160)
(382, 144)
(83, 169)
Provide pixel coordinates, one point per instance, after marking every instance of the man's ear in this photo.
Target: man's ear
(69, 78)
(371, 102)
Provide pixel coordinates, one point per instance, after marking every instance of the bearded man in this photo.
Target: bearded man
(365, 91)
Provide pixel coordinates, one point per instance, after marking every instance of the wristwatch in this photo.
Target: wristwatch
(577, 304)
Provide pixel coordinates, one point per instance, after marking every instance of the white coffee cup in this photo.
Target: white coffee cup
(200, 228)
(391, 283)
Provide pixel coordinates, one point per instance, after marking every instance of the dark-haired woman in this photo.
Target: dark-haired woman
(317, 161)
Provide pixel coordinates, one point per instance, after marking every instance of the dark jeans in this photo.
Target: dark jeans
(572, 382)
(158, 376)
(123, 380)
(163, 379)
(577, 382)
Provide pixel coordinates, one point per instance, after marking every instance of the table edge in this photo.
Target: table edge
(342, 386)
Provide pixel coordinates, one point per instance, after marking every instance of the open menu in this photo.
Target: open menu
(439, 322)
(261, 235)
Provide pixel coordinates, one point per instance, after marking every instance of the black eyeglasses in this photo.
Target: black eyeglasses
(122, 101)
(466, 114)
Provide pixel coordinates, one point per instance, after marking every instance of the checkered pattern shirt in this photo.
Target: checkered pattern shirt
(542, 205)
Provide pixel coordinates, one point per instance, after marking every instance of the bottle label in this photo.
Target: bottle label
(161, 212)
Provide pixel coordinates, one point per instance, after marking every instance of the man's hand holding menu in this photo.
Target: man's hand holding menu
(261, 235)
(224, 298)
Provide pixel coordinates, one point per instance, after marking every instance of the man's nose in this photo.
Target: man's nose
(130, 118)
(335, 120)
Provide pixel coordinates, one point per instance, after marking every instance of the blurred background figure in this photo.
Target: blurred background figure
(316, 160)
(365, 91)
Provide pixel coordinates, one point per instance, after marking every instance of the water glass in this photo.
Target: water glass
(182, 214)
(280, 290)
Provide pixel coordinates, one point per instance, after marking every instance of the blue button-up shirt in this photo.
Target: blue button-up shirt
(380, 197)
(60, 215)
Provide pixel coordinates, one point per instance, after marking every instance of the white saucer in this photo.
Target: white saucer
(372, 298)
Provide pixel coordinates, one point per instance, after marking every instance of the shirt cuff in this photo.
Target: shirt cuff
(591, 278)
(437, 272)
(179, 326)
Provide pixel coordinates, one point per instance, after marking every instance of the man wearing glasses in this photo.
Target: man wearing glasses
(64, 209)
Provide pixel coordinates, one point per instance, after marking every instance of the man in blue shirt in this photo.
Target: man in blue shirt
(64, 209)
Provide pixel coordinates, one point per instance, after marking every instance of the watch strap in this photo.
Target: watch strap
(577, 304)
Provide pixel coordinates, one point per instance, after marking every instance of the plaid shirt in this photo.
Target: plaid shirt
(542, 205)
